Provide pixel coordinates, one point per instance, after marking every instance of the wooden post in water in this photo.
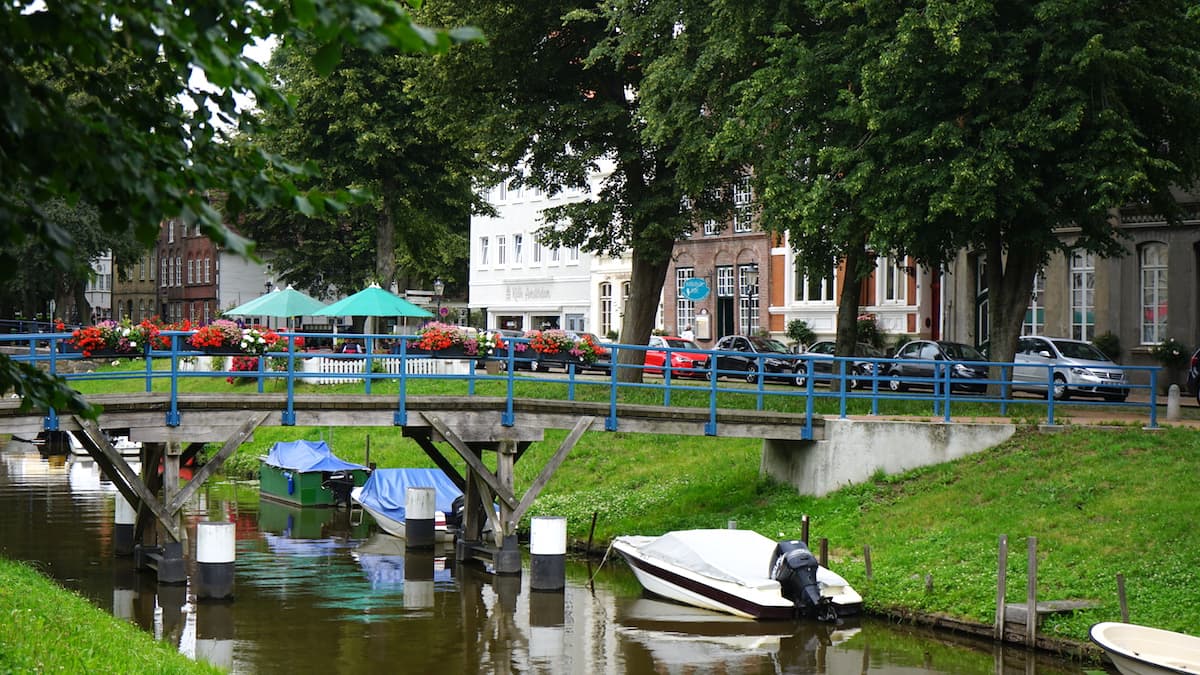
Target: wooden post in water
(1031, 617)
(867, 561)
(823, 558)
(1001, 587)
(804, 529)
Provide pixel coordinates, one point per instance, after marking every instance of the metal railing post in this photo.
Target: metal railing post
(173, 412)
(289, 414)
(610, 423)
(401, 417)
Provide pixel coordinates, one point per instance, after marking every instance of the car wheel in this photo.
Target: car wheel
(536, 365)
(751, 375)
(1061, 393)
(708, 375)
(801, 378)
(895, 383)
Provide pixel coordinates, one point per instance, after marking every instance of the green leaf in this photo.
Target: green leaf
(327, 57)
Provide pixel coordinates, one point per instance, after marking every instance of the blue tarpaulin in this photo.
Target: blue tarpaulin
(387, 489)
(302, 456)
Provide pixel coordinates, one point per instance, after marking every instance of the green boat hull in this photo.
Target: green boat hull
(299, 488)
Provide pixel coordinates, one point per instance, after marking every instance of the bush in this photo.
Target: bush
(868, 332)
(1109, 344)
(800, 332)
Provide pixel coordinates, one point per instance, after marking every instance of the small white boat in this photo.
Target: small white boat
(1142, 650)
(385, 493)
(739, 572)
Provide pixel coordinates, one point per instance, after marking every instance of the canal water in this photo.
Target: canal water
(321, 591)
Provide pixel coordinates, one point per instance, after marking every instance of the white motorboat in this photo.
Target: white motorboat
(739, 572)
(384, 496)
(1142, 650)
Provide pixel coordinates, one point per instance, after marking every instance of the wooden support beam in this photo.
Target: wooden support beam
(128, 483)
(152, 455)
(214, 465)
(551, 466)
(501, 492)
(442, 463)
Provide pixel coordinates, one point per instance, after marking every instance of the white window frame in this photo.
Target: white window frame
(518, 248)
(501, 249)
(606, 308)
(685, 309)
(892, 284)
(743, 199)
(1152, 276)
(1035, 314)
(1083, 295)
(483, 251)
(826, 287)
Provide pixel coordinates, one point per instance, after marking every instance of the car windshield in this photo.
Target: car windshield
(680, 343)
(1079, 350)
(763, 344)
(961, 352)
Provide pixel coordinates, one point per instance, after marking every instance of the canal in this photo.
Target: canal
(322, 591)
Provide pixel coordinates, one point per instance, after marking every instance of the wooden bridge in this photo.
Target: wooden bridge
(443, 426)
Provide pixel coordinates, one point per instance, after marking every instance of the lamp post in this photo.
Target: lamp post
(439, 287)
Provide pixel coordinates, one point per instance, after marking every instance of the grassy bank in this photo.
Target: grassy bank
(45, 628)
(1099, 501)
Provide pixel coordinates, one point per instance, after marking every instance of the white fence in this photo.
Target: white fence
(320, 369)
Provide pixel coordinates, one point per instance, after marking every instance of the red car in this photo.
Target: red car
(690, 363)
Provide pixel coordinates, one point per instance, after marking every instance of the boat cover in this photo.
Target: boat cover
(302, 456)
(386, 490)
(738, 556)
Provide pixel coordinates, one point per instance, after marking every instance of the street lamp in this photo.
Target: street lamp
(439, 287)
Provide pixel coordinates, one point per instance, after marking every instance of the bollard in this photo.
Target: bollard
(214, 634)
(124, 520)
(215, 551)
(419, 513)
(548, 553)
(1173, 403)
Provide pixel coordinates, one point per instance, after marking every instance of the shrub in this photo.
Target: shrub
(800, 332)
(1109, 344)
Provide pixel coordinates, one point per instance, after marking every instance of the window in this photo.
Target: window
(742, 210)
(1035, 315)
(503, 193)
(142, 269)
(518, 243)
(501, 249)
(573, 254)
(748, 298)
(1153, 261)
(554, 254)
(170, 232)
(813, 288)
(178, 271)
(163, 274)
(151, 266)
(1083, 295)
(711, 228)
(536, 251)
(606, 308)
(685, 310)
(191, 271)
(725, 281)
(483, 250)
(892, 282)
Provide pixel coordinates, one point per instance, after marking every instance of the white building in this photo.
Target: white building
(520, 284)
(99, 289)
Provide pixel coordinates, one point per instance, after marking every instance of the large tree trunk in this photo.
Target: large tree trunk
(857, 260)
(1010, 281)
(385, 241)
(82, 307)
(646, 285)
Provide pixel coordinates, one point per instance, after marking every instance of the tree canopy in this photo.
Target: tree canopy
(76, 126)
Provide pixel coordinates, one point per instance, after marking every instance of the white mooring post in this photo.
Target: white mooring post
(419, 513)
(124, 520)
(215, 551)
(418, 578)
(548, 553)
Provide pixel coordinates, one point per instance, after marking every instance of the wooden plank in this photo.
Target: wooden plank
(551, 466)
(1016, 613)
(1001, 586)
(136, 492)
(1031, 593)
(501, 492)
(231, 445)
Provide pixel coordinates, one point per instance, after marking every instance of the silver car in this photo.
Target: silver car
(1074, 366)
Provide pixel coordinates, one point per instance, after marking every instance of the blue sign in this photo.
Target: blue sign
(694, 288)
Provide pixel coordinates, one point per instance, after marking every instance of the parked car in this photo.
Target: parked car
(1076, 367)
(826, 368)
(693, 363)
(1194, 375)
(919, 360)
(752, 353)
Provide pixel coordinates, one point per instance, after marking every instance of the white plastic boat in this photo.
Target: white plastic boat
(384, 496)
(1142, 650)
(738, 572)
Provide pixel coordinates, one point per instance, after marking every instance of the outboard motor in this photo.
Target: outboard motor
(340, 483)
(795, 568)
(454, 519)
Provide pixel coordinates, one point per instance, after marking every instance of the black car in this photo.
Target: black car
(748, 355)
(917, 363)
(826, 368)
(1194, 375)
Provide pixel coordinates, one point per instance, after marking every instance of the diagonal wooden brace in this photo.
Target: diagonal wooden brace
(502, 492)
(551, 466)
(243, 432)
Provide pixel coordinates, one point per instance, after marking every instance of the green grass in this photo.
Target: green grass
(46, 628)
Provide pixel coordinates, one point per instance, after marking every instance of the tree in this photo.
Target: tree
(992, 125)
(359, 125)
(75, 126)
(557, 96)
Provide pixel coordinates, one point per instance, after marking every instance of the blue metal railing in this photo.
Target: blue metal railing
(792, 376)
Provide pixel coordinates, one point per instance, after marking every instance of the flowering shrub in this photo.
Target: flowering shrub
(435, 336)
(219, 333)
(1170, 353)
(242, 364)
(554, 342)
(258, 340)
(123, 337)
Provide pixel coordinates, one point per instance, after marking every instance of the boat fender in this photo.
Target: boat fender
(291, 482)
(795, 568)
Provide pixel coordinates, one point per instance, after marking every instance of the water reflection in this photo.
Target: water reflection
(319, 590)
